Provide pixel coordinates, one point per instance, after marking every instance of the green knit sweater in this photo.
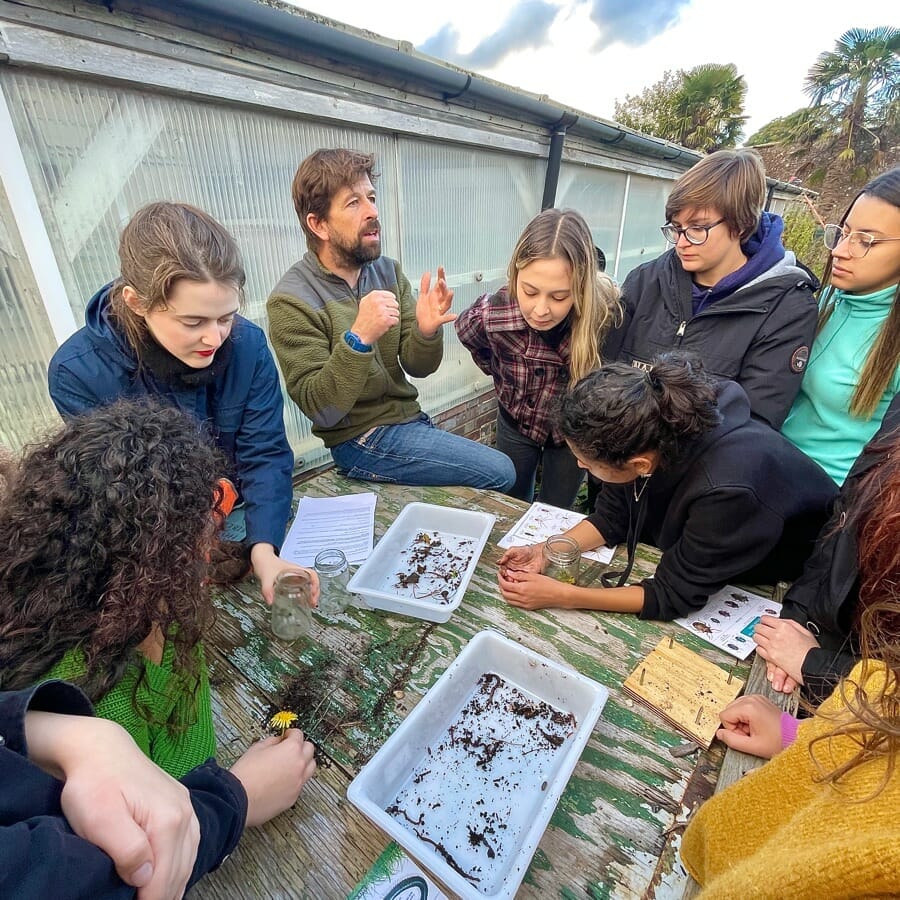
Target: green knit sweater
(176, 750)
(346, 392)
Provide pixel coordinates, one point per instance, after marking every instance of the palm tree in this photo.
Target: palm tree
(860, 82)
(709, 106)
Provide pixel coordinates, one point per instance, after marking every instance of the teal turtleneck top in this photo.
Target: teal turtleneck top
(820, 422)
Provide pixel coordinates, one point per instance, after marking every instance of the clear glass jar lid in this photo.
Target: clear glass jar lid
(331, 562)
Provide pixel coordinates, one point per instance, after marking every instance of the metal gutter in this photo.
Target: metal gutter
(293, 28)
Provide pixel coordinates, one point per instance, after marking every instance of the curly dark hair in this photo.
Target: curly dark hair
(105, 527)
(619, 412)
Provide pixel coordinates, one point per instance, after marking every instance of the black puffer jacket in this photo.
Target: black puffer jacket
(740, 503)
(759, 336)
(825, 596)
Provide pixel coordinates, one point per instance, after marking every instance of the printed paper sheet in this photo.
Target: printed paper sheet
(728, 619)
(541, 521)
(394, 876)
(323, 523)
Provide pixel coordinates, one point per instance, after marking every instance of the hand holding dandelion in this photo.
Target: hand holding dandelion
(274, 770)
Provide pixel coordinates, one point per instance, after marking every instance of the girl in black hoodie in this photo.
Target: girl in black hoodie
(688, 470)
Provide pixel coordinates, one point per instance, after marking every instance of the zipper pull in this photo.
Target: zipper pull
(681, 327)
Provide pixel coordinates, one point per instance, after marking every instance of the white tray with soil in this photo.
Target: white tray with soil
(468, 781)
(424, 562)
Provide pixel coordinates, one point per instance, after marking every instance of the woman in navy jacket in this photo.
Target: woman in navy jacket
(87, 834)
(169, 327)
(687, 469)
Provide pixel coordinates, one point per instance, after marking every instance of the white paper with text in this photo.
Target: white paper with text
(323, 523)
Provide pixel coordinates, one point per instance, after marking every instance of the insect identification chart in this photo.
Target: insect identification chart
(541, 521)
(728, 619)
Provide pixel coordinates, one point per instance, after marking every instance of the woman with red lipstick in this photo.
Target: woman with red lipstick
(854, 368)
(169, 327)
(535, 337)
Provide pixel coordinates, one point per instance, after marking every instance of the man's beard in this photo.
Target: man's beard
(358, 253)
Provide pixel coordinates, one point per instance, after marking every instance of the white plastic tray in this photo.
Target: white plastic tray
(376, 579)
(509, 796)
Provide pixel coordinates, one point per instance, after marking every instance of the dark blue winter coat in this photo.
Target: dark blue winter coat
(40, 855)
(242, 408)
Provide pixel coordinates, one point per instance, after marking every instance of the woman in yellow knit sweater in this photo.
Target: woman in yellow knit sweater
(819, 820)
(106, 528)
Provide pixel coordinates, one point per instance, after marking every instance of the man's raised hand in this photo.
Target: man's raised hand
(433, 305)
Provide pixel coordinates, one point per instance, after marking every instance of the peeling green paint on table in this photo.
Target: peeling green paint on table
(615, 831)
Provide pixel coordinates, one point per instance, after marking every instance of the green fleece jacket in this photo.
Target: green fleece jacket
(177, 748)
(345, 392)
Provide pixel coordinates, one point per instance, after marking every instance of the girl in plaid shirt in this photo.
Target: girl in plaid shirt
(535, 337)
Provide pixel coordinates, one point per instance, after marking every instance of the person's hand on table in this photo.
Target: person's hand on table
(780, 680)
(528, 558)
(267, 566)
(433, 305)
(751, 724)
(273, 772)
(531, 590)
(784, 643)
(119, 800)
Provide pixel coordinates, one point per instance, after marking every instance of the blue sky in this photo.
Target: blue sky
(590, 53)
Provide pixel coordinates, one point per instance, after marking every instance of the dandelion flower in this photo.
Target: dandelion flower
(283, 720)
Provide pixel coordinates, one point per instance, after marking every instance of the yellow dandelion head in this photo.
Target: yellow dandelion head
(283, 719)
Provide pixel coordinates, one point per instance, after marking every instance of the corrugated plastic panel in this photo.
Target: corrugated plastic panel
(646, 211)
(598, 194)
(463, 208)
(26, 343)
(96, 152)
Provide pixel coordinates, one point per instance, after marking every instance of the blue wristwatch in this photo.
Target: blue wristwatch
(353, 341)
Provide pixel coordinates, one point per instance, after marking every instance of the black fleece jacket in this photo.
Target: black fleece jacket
(739, 503)
(825, 597)
(758, 336)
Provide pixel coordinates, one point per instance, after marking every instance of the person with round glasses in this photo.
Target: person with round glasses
(854, 368)
(727, 290)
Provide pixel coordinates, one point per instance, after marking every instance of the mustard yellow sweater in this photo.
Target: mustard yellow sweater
(777, 833)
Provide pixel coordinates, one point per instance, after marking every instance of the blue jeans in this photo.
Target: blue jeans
(560, 474)
(419, 453)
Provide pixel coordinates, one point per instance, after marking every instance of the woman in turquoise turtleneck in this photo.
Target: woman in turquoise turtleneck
(854, 367)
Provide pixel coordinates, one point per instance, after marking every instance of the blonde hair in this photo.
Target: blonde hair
(165, 243)
(563, 234)
(884, 354)
(731, 181)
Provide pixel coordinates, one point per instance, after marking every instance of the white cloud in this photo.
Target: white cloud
(772, 43)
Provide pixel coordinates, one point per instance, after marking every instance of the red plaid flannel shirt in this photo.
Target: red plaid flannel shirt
(530, 375)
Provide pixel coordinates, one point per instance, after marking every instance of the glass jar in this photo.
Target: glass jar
(292, 605)
(334, 574)
(562, 558)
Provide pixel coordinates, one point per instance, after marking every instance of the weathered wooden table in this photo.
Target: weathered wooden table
(617, 828)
